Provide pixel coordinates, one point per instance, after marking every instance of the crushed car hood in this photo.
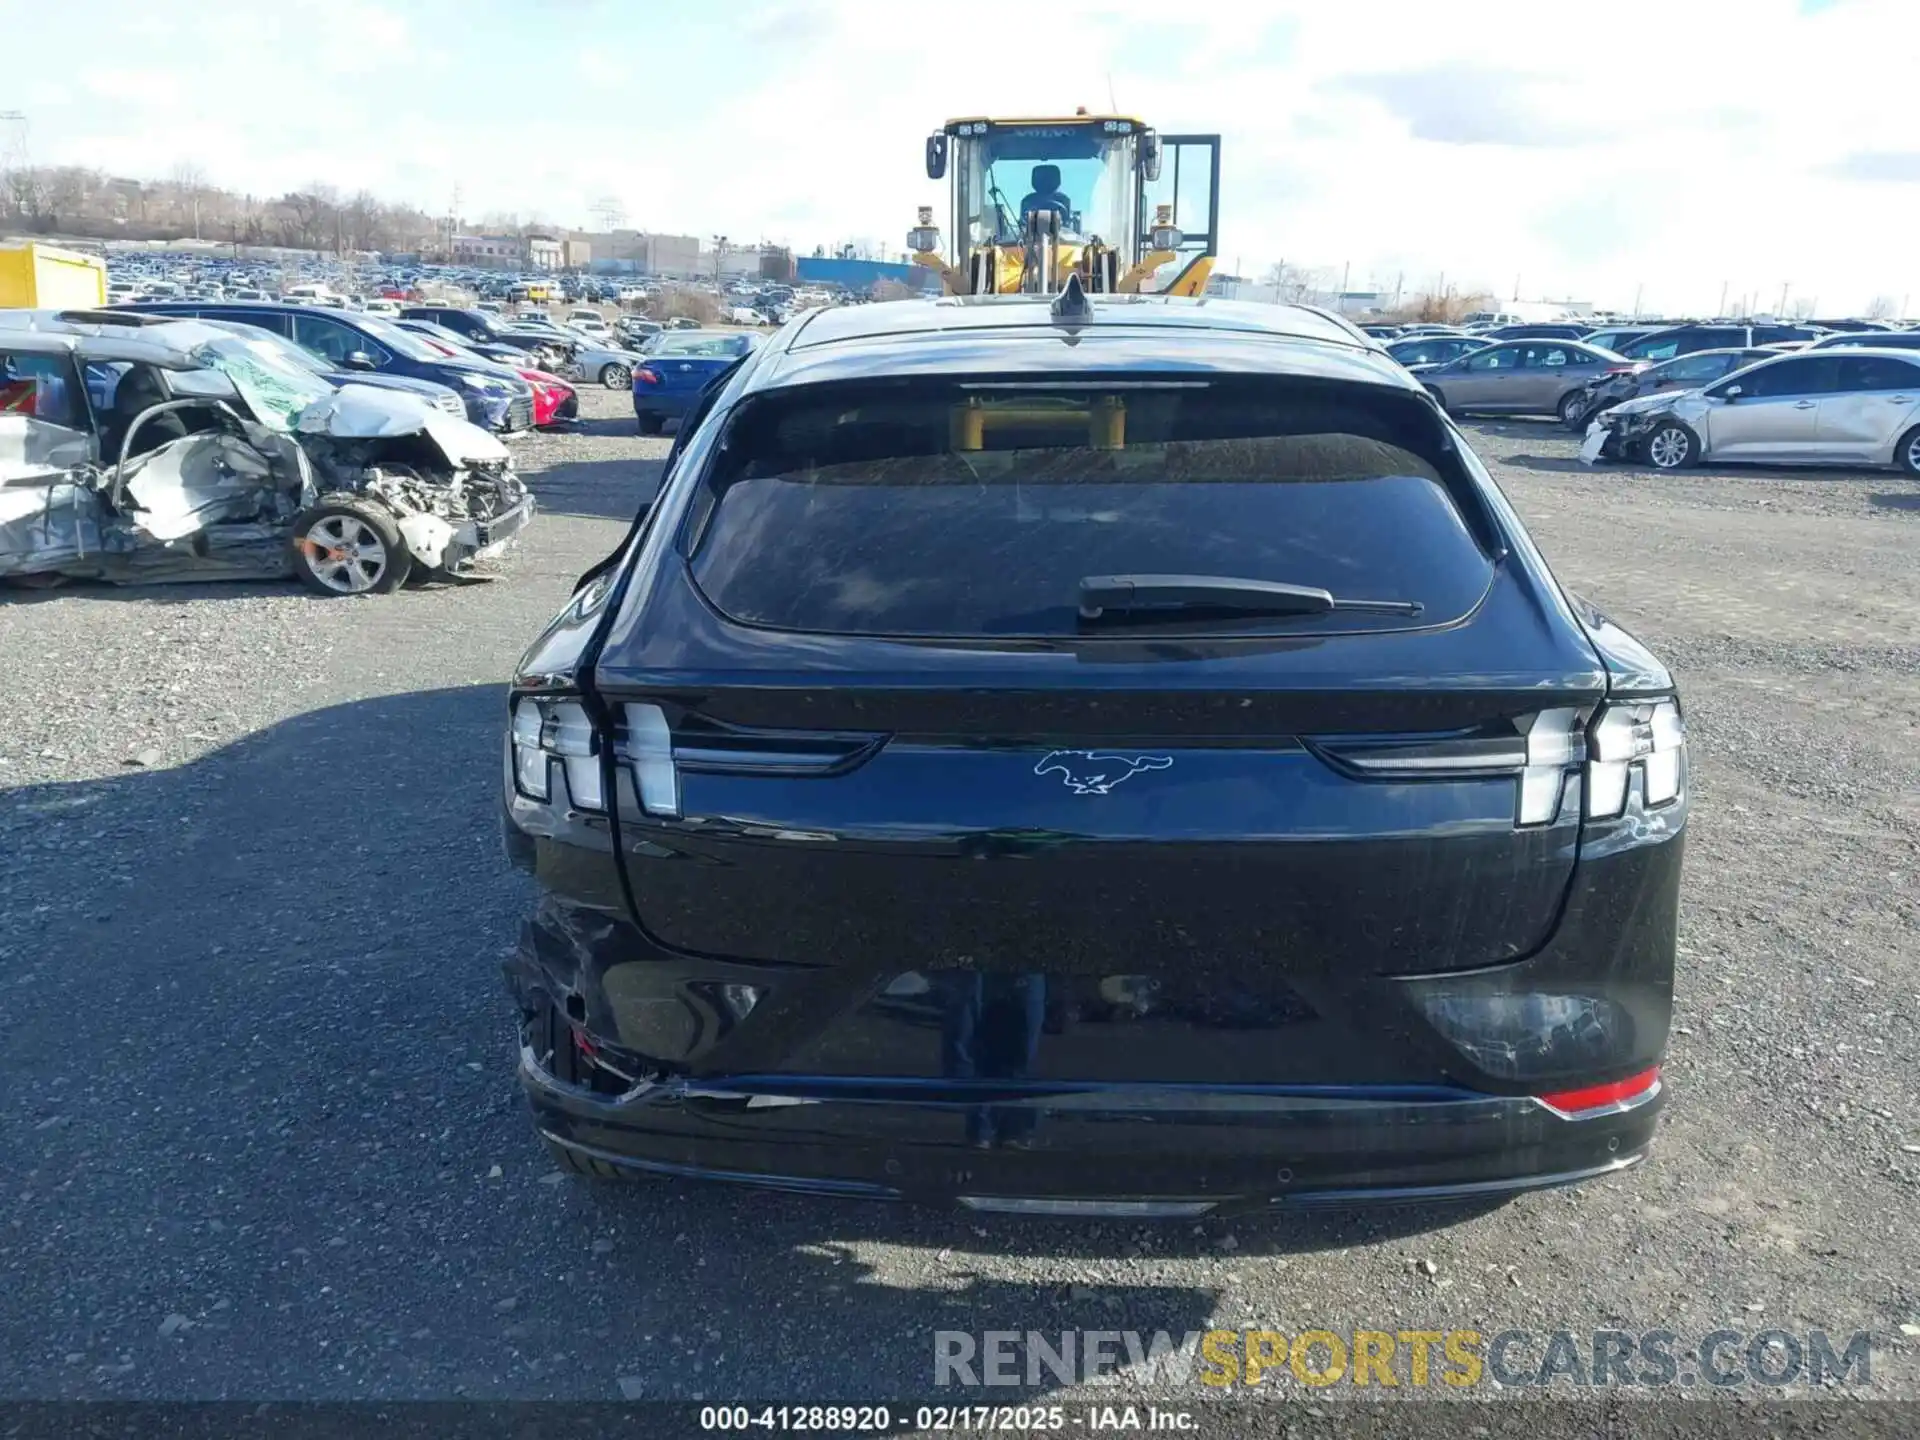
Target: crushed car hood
(361, 412)
(1658, 401)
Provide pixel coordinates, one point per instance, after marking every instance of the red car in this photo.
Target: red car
(554, 400)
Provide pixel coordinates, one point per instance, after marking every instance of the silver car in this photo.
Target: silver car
(1855, 406)
(603, 359)
(1522, 377)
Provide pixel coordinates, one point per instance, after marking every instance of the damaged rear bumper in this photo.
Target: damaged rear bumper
(1168, 1150)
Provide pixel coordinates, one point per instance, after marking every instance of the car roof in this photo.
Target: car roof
(1722, 350)
(107, 335)
(1007, 333)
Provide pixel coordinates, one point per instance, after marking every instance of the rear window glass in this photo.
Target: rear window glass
(976, 509)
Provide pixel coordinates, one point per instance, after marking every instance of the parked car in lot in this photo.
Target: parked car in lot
(495, 397)
(1685, 339)
(512, 356)
(636, 330)
(214, 457)
(1850, 406)
(1685, 372)
(554, 400)
(607, 363)
(1614, 337)
(546, 351)
(1521, 377)
(1425, 350)
(1874, 339)
(441, 397)
(673, 375)
(1113, 730)
(1545, 330)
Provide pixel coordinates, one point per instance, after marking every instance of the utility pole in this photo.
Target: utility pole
(1516, 285)
(1723, 298)
(1785, 285)
(1346, 273)
(453, 219)
(719, 256)
(609, 212)
(1637, 290)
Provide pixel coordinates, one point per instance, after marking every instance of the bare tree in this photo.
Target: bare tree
(1881, 307)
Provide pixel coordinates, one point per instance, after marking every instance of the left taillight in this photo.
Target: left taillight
(552, 744)
(645, 375)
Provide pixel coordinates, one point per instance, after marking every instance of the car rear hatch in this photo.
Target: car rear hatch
(875, 769)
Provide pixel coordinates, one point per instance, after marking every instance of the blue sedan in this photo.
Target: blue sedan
(679, 367)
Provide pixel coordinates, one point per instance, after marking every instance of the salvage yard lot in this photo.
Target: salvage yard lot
(263, 1139)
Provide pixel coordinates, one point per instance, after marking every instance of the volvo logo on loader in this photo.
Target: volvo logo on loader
(1095, 772)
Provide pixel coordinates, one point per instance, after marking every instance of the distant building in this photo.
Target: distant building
(498, 251)
(620, 251)
(576, 254)
(860, 276)
(1360, 302)
(544, 252)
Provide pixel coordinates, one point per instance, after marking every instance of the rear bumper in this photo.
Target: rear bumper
(666, 405)
(1158, 1150)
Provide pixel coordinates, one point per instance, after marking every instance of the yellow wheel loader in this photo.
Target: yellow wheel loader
(1100, 197)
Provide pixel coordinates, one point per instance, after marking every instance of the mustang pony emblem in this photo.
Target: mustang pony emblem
(1095, 772)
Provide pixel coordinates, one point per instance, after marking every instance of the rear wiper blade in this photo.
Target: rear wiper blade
(1105, 597)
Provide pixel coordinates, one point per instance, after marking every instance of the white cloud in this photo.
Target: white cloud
(1723, 141)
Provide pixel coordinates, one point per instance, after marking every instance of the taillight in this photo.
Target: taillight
(652, 754)
(646, 376)
(1626, 736)
(555, 735)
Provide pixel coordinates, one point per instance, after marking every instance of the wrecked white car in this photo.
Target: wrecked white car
(138, 449)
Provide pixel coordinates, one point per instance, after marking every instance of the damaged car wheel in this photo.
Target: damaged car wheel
(1671, 446)
(1573, 410)
(347, 547)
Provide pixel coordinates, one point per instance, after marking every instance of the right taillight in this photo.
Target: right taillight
(1624, 736)
(646, 376)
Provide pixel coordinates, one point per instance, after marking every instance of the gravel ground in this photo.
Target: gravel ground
(263, 1139)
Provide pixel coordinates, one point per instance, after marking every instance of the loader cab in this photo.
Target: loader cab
(1113, 198)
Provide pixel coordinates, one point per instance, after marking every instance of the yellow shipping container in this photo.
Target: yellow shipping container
(41, 277)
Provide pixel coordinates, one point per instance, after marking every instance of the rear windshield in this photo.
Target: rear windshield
(719, 346)
(938, 509)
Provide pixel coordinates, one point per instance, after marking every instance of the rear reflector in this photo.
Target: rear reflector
(1603, 1099)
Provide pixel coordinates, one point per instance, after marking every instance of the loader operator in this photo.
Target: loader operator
(1047, 195)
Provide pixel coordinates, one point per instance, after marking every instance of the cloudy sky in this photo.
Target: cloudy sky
(1586, 151)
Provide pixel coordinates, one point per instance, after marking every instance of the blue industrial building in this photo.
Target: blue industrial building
(860, 276)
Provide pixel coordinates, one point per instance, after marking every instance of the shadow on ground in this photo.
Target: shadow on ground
(603, 489)
(264, 1139)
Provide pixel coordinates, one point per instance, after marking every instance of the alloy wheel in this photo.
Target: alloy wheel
(1669, 448)
(344, 554)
